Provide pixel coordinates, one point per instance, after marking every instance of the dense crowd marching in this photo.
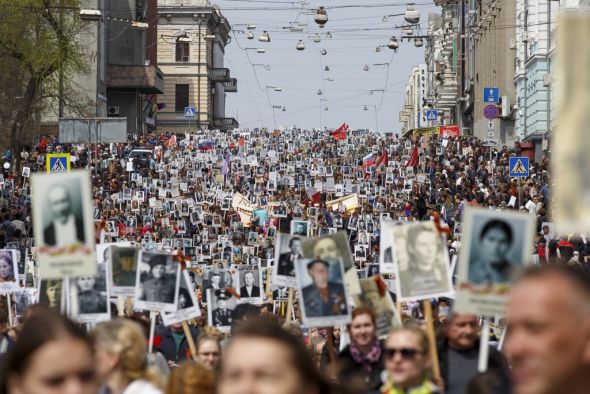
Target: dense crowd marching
(177, 194)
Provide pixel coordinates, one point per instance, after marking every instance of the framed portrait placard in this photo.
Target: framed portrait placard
(421, 262)
(187, 307)
(63, 222)
(496, 245)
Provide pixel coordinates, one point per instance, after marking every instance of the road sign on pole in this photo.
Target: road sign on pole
(519, 166)
(431, 115)
(190, 112)
(491, 95)
(490, 112)
(58, 162)
(491, 142)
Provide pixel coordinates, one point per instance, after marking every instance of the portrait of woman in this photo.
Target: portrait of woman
(7, 267)
(492, 264)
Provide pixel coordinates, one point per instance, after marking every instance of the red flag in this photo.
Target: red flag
(383, 159)
(43, 144)
(170, 142)
(340, 132)
(414, 158)
(316, 198)
(242, 141)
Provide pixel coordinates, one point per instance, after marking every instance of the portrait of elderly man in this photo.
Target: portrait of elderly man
(65, 228)
(323, 297)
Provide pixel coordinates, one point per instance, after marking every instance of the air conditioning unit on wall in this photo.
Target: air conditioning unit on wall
(113, 110)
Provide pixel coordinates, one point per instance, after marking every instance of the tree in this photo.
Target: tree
(39, 39)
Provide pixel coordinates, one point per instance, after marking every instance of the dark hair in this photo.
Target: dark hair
(301, 359)
(293, 240)
(43, 327)
(500, 225)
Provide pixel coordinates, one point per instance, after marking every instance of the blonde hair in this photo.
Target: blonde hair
(125, 339)
(191, 378)
(413, 328)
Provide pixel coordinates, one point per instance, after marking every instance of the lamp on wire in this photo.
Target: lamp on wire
(300, 45)
(393, 44)
(317, 39)
(264, 37)
(366, 67)
(418, 42)
(412, 15)
(324, 52)
(321, 17)
(250, 35)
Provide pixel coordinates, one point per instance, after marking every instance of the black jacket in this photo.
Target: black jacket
(168, 347)
(351, 374)
(497, 365)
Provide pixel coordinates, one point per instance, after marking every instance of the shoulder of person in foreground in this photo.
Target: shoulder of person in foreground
(140, 386)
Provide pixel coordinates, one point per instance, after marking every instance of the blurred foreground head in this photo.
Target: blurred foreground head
(548, 340)
(52, 356)
(262, 358)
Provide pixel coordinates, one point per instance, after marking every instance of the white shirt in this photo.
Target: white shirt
(141, 387)
(65, 234)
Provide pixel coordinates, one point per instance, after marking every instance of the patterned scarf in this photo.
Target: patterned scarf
(366, 359)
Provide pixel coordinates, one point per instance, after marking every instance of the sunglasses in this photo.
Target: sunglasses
(406, 353)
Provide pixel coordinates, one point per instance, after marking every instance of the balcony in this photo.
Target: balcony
(231, 86)
(219, 74)
(226, 123)
(148, 79)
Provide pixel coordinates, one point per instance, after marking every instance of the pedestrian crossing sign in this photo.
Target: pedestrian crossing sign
(58, 162)
(519, 166)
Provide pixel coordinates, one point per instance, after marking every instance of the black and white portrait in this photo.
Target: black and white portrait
(215, 278)
(91, 296)
(156, 286)
(300, 227)
(187, 306)
(63, 224)
(51, 293)
(24, 299)
(221, 308)
(288, 251)
(249, 280)
(421, 260)
(496, 244)
(123, 267)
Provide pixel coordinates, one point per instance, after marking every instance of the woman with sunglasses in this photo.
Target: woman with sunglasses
(407, 362)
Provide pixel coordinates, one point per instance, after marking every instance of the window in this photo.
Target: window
(181, 98)
(182, 51)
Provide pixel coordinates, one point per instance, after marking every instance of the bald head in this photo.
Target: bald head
(60, 203)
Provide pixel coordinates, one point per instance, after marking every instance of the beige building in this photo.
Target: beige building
(192, 36)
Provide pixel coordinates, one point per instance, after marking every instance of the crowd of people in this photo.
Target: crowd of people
(177, 194)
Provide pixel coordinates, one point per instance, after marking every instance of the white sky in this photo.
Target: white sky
(357, 29)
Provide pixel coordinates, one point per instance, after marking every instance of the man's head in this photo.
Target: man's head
(326, 249)
(462, 331)
(319, 271)
(249, 278)
(295, 246)
(215, 278)
(548, 341)
(60, 203)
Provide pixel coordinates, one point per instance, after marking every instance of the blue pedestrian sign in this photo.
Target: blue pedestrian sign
(190, 112)
(491, 95)
(519, 166)
(431, 115)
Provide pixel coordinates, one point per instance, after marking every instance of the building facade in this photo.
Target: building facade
(192, 36)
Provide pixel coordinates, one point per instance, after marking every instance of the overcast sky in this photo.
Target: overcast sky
(357, 28)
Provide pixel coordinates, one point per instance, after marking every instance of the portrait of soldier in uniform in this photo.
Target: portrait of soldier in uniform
(158, 285)
(323, 297)
(222, 315)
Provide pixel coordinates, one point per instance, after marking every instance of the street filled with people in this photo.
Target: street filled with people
(287, 261)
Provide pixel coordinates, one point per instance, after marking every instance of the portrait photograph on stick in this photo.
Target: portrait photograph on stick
(156, 283)
(495, 248)
(9, 271)
(187, 307)
(421, 262)
(90, 301)
(287, 251)
(63, 224)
